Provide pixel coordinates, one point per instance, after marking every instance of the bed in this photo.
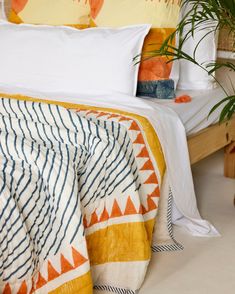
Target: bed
(189, 217)
(82, 172)
(217, 137)
(201, 128)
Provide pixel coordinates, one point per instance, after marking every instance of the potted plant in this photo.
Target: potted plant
(201, 14)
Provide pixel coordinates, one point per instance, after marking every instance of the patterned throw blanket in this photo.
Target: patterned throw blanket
(79, 193)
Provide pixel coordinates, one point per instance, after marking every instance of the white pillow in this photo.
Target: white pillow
(64, 59)
(192, 77)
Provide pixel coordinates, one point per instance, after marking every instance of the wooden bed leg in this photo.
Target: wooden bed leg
(229, 161)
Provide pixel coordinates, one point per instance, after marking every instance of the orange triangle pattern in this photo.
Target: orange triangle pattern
(139, 139)
(104, 216)
(142, 209)
(32, 287)
(65, 265)
(123, 118)
(113, 116)
(102, 114)
(155, 193)
(151, 204)
(116, 211)
(52, 273)
(152, 179)
(78, 259)
(147, 166)
(7, 289)
(94, 219)
(143, 153)
(134, 126)
(130, 208)
(40, 282)
(92, 112)
(23, 288)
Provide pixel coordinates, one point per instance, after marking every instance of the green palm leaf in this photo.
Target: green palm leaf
(202, 13)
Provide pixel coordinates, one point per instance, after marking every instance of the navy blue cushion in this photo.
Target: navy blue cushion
(162, 89)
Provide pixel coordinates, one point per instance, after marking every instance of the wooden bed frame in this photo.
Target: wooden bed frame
(213, 139)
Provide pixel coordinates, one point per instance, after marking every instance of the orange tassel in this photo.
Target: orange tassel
(183, 99)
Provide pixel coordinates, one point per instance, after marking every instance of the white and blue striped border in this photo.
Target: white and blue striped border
(175, 246)
(114, 289)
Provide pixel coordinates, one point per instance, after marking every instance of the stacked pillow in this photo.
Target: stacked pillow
(156, 75)
(192, 76)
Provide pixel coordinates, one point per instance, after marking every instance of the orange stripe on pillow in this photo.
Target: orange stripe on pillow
(155, 68)
(18, 5)
(156, 37)
(96, 6)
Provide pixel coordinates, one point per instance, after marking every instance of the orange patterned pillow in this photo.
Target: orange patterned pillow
(162, 14)
(50, 12)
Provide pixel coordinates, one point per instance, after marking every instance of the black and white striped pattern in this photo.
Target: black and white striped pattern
(171, 247)
(114, 289)
(54, 163)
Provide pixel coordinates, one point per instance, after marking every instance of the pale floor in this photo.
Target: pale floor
(206, 265)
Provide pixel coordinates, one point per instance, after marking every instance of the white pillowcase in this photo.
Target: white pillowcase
(67, 60)
(192, 77)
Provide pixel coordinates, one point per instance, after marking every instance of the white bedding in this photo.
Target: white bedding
(171, 133)
(194, 115)
(63, 59)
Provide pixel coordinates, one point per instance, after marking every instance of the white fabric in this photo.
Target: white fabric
(68, 60)
(171, 133)
(194, 115)
(2, 10)
(192, 76)
(175, 71)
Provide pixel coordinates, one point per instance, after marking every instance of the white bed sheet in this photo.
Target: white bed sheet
(171, 133)
(194, 115)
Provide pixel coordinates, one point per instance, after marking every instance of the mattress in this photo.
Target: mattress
(194, 115)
